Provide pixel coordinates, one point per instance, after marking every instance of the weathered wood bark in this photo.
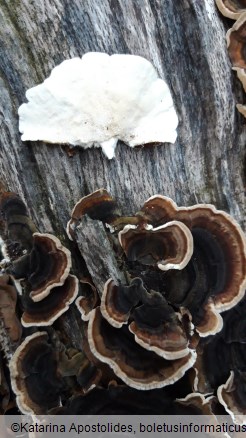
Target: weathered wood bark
(186, 43)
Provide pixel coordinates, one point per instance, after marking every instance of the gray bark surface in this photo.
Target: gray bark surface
(186, 43)
(185, 40)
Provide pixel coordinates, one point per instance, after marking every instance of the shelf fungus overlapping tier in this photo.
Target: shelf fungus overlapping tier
(231, 8)
(50, 308)
(232, 395)
(34, 375)
(164, 310)
(46, 266)
(185, 266)
(138, 367)
(41, 371)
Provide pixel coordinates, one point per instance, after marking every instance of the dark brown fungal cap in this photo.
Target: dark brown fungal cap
(34, 378)
(8, 300)
(218, 355)
(157, 328)
(232, 395)
(136, 366)
(155, 325)
(118, 300)
(75, 363)
(98, 205)
(216, 235)
(89, 299)
(231, 8)
(202, 403)
(212, 321)
(50, 263)
(236, 42)
(18, 226)
(45, 312)
(168, 246)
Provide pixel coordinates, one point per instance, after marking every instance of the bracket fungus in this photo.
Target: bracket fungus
(217, 238)
(151, 319)
(136, 366)
(231, 8)
(88, 300)
(168, 246)
(236, 42)
(232, 395)
(46, 311)
(97, 205)
(34, 377)
(98, 100)
(19, 228)
(8, 300)
(45, 267)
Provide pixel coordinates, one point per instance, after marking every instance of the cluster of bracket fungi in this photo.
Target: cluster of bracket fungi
(163, 333)
(236, 39)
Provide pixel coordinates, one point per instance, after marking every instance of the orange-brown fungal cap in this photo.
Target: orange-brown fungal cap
(137, 367)
(98, 205)
(232, 395)
(89, 299)
(224, 245)
(8, 300)
(34, 379)
(168, 246)
(50, 263)
(236, 42)
(45, 312)
(231, 8)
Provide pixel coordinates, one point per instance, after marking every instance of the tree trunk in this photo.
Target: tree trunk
(185, 41)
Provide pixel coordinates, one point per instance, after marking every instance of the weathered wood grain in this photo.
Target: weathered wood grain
(185, 40)
(98, 253)
(186, 43)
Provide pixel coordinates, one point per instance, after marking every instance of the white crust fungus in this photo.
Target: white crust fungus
(97, 100)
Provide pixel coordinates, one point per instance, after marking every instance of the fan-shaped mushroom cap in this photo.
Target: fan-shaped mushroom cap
(98, 100)
(232, 395)
(118, 300)
(231, 8)
(236, 41)
(45, 312)
(89, 300)
(98, 205)
(8, 299)
(34, 379)
(136, 366)
(155, 325)
(212, 321)
(168, 246)
(226, 244)
(46, 267)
